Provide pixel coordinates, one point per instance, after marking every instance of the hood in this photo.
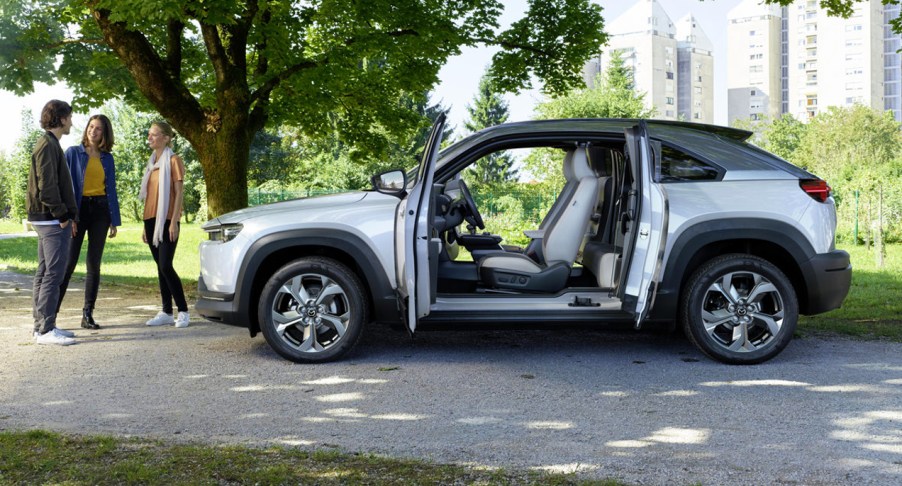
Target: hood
(326, 201)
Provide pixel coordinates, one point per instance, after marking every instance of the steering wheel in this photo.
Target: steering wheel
(473, 217)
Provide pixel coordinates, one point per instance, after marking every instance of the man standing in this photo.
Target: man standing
(52, 212)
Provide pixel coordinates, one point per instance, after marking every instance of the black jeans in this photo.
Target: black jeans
(94, 219)
(170, 284)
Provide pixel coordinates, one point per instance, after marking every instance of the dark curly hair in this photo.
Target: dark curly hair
(53, 113)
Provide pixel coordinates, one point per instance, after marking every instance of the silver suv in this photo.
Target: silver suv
(658, 222)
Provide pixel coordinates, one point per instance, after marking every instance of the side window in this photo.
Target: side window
(677, 166)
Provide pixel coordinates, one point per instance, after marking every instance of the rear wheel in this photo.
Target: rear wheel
(313, 310)
(739, 309)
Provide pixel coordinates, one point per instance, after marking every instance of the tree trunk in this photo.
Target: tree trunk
(224, 158)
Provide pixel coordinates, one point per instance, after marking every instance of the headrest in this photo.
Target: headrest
(580, 164)
(568, 166)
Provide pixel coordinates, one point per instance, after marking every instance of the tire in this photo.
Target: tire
(739, 309)
(313, 310)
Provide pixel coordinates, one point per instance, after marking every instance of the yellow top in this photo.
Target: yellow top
(94, 178)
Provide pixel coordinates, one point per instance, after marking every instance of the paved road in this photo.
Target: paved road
(643, 408)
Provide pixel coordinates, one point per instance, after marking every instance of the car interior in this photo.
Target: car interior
(577, 245)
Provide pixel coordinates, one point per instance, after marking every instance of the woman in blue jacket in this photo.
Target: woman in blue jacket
(94, 180)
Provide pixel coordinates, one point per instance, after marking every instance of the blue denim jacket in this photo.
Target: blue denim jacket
(77, 158)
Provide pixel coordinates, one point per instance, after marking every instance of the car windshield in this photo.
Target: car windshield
(443, 159)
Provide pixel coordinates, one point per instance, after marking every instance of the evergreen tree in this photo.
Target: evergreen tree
(490, 109)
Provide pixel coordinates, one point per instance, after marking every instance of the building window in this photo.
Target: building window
(669, 100)
(669, 74)
(756, 56)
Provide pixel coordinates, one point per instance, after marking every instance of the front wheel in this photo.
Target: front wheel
(739, 309)
(313, 310)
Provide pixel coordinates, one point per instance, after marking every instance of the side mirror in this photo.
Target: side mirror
(393, 182)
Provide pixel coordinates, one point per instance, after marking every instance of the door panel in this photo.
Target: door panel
(413, 234)
(648, 231)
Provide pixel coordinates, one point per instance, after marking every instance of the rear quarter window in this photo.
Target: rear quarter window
(678, 166)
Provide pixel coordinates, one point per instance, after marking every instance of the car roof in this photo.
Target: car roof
(611, 124)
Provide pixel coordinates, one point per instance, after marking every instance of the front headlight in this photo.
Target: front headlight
(224, 233)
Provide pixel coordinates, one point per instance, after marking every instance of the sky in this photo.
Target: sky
(459, 78)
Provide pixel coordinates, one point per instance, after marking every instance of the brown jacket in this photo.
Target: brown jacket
(50, 193)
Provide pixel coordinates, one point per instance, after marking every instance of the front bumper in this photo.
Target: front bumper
(828, 277)
(218, 307)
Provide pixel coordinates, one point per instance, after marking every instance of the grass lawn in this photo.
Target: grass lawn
(126, 259)
(874, 305)
(38, 457)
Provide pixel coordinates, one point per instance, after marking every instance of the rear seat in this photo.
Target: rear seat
(600, 255)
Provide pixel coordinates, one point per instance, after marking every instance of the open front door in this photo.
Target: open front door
(647, 215)
(413, 235)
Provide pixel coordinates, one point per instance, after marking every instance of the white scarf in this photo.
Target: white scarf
(165, 167)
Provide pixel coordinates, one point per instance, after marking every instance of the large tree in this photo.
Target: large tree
(222, 70)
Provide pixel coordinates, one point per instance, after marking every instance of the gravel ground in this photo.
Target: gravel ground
(639, 407)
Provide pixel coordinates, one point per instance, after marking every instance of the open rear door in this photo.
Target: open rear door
(413, 235)
(647, 210)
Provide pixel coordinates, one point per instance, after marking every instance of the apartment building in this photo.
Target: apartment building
(671, 63)
(754, 74)
(812, 60)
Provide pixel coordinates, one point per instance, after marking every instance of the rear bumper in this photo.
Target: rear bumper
(828, 277)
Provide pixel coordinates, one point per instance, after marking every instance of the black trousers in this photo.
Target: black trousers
(94, 219)
(170, 284)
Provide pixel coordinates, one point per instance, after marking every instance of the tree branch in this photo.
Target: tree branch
(174, 47)
(169, 95)
(264, 91)
(215, 50)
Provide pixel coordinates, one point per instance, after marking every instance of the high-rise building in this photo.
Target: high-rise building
(695, 69)
(754, 63)
(799, 60)
(653, 48)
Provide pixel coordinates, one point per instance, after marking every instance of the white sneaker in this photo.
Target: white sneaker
(161, 319)
(182, 320)
(64, 333)
(54, 338)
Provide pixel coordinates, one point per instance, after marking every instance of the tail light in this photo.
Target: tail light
(816, 188)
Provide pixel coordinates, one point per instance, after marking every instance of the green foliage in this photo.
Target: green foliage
(328, 164)
(489, 109)
(14, 170)
(780, 136)
(857, 149)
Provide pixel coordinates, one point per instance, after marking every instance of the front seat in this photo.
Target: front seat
(560, 241)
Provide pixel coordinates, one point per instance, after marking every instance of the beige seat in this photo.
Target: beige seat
(561, 239)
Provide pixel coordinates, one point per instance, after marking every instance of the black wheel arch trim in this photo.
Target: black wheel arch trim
(381, 293)
(737, 230)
